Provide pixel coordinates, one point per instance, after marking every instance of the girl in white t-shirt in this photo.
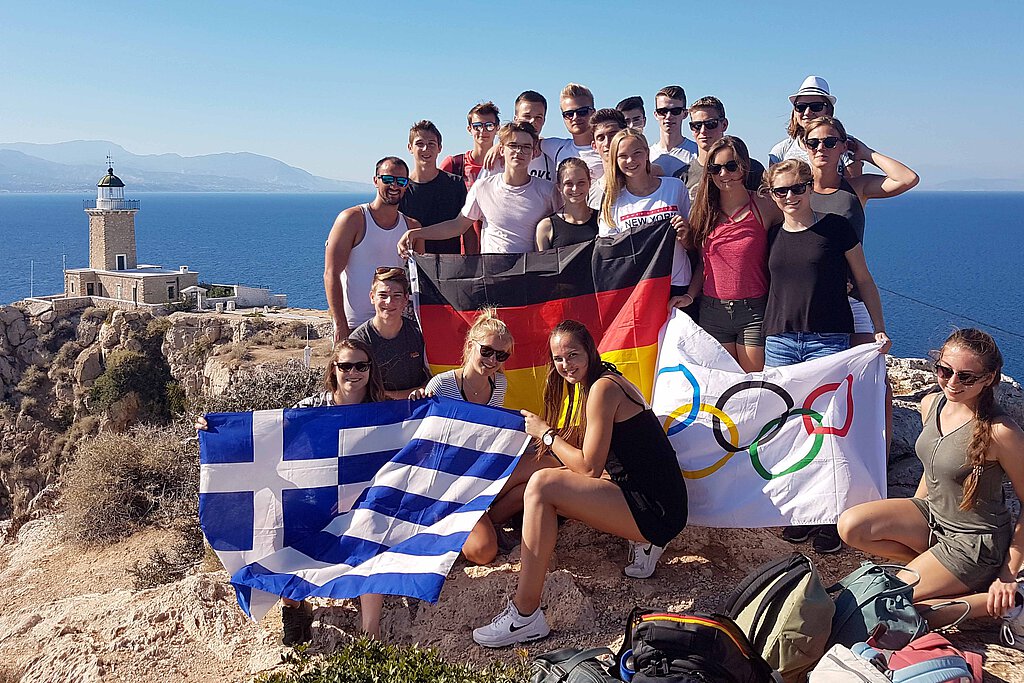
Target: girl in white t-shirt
(634, 197)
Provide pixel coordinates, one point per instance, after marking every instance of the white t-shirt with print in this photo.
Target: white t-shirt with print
(510, 214)
(631, 212)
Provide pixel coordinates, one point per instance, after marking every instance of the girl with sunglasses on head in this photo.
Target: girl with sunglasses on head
(481, 379)
(729, 228)
(594, 421)
(350, 378)
(807, 315)
(956, 533)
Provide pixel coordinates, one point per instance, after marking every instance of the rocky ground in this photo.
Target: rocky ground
(68, 611)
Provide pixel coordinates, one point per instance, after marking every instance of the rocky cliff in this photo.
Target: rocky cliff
(74, 611)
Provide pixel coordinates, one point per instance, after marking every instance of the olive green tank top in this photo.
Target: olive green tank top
(944, 457)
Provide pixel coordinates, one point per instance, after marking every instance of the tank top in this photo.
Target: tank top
(642, 462)
(844, 202)
(564, 233)
(945, 469)
(736, 257)
(379, 247)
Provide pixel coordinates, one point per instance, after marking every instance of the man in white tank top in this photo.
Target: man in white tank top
(364, 238)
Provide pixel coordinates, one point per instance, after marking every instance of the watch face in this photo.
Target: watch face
(548, 439)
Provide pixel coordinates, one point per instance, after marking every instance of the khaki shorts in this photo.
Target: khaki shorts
(973, 558)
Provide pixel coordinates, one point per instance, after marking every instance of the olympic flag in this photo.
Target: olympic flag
(791, 445)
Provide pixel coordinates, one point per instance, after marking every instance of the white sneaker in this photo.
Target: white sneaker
(643, 558)
(510, 627)
(1012, 631)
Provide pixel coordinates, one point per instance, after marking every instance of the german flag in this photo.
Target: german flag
(617, 286)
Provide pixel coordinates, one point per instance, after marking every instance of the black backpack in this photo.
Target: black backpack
(570, 665)
(664, 647)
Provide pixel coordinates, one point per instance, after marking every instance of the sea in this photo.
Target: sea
(942, 260)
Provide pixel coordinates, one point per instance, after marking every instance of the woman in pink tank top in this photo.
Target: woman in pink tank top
(729, 227)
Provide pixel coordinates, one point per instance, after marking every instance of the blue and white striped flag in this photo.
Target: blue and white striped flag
(340, 501)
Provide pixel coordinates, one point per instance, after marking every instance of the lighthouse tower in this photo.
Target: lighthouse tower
(112, 226)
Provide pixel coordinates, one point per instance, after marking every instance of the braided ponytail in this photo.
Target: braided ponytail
(982, 345)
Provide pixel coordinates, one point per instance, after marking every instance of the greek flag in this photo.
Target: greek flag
(340, 501)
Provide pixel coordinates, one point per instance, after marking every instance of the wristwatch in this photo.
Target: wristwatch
(549, 437)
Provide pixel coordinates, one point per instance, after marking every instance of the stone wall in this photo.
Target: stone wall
(111, 233)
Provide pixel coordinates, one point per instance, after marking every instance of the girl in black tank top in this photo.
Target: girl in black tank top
(607, 427)
(576, 222)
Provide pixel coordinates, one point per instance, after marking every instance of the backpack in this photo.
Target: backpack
(947, 665)
(786, 613)
(664, 647)
(570, 665)
(933, 646)
(841, 665)
(873, 603)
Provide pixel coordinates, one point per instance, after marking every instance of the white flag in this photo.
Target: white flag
(791, 445)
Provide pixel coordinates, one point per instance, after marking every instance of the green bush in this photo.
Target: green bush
(157, 328)
(371, 661)
(118, 483)
(33, 378)
(128, 371)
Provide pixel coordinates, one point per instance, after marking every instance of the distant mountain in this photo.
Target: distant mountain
(76, 166)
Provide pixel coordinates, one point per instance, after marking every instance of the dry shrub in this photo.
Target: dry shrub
(174, 564)
(266, 387)
(121, 482)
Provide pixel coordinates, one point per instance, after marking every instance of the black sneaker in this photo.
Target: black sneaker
(827, 541)
(798, 533)
(298, 624)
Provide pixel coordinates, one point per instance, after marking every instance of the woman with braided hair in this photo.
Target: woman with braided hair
(956, 532)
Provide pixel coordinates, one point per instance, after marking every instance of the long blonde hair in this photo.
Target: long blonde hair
(615, 181)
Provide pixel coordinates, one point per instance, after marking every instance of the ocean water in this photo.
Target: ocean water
(941, 260)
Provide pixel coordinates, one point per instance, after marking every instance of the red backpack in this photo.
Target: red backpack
(933, 646)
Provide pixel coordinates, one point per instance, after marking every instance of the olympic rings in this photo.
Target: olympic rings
(769, 431)
(755, 460)
(743, 386)
(734, 434)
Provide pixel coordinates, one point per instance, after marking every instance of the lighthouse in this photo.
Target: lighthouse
(112, 225)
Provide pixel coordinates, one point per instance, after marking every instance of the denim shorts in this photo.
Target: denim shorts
(790, 348)
(734, 321)
(861, 319)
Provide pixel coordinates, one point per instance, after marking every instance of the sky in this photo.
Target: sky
(333, 86)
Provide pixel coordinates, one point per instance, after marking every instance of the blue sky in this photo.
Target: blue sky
(331, 87)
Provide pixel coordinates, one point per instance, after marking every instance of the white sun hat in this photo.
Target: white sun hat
(813, 85)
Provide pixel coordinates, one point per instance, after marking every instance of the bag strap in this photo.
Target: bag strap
(849, 579)
(759, 631)
(756, 582)
(943, 605)
(459, 164)
(565, 668)
(928, 669)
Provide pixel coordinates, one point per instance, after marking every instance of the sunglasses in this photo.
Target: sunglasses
(710, 124)
(483, 125)
(487, 352)
(830, 142)
(945, 373)
(816, 107)
(361, 366)
(581, 111)
(389, 179)
(730, 166)
(799, 188)
(675, 111)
